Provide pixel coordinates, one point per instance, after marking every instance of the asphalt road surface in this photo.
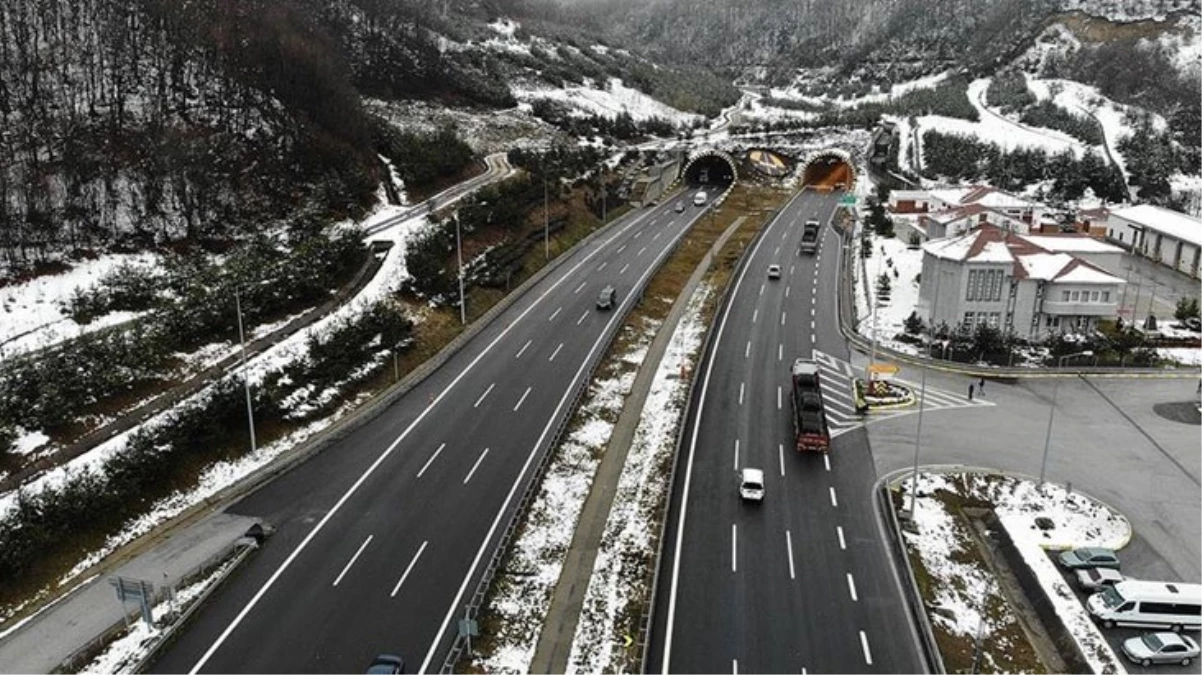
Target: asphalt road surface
(382, 538)
(800, 582)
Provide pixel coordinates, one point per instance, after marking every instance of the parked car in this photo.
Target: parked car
(1193, 323)
(751, 485)
(1152, 648)
(774, 271)
(387, 664)
(1093, 578)
(608, 298)
(1081, 558)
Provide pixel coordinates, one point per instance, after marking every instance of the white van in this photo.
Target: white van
(1151, 604)
(700, 198)
(751, 487)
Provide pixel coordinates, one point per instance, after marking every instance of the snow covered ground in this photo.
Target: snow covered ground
(31, 312)
(966, 589)
(995, 128)
(794, 92)
(522, 600)
(608, 100)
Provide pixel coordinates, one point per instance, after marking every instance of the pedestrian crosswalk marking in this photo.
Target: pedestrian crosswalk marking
(841, 414)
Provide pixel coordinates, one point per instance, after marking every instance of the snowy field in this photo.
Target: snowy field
(608, 99)
(31, 312)
(794, 92)
(964, 590)
(522, 600)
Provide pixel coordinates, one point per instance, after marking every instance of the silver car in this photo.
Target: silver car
(1152, 648)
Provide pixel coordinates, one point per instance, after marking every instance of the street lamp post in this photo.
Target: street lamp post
(459, 257)
(1047, 439)
(922, 397)
(250, 411)
(546, 218)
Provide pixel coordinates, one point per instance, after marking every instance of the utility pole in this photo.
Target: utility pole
(546, 217)
(459, 257)
(922, 397)
(250, 410)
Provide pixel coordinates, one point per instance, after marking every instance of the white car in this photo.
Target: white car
(774, 271)
(751, 487)
(1152, 648)
(1093, 578)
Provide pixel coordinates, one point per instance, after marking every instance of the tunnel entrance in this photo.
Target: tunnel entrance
(828, 170)
(710, 169)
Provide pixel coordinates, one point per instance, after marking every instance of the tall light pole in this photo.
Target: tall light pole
(604, 201)
(546, 217)
(459, 257)
(250, 411)
(1047, 440)
(922, 397)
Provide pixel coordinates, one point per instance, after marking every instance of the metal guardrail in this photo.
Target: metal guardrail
(473, 607)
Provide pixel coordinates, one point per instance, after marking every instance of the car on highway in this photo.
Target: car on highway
(774, 271)
(607, 298)
(751, 485)
(1081, 558)
(387, 664)
(700, 198)
(1093, 578)
(1152, 648)
(680, 207)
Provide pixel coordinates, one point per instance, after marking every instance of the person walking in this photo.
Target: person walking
(970, 391)
(981, 387)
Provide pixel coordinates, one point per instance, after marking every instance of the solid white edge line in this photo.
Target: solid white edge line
(241, 616)
(431, 460)
(408, 569)
(522, 399)
(484, 395)
(734, 547)
(851, 586)
(352, 560)
(864, 644)
(789, 545)
(453, 612)
(834, 501)
(842, 541)
(475, 466)
(688, 474)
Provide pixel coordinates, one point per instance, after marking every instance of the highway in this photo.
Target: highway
(801, 582)
(382, 538)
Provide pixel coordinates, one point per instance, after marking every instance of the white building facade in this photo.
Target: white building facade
(1169, 237)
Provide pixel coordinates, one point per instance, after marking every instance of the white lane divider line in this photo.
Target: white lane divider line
(864, 644)
(782, 317)
(409, 569)
(851, 586)
(780, 352)
(353, 559)
(431, 460)
(813, 312)
(621, 248)
(761, 289)
(791, 269)
(741, 387)
(602, 266)
(475, 466)
(786, 291)
(826, 460)
(734, 548)
(523, 349)
(776, 252)
(789, 545)
(555, 313)
(813, 337)
(484, 395)
(556, 352)
(580, 287)
(736, 455)
(747, 350)
(755, 315)
(522, 399)
(834, 501)
(780, 448)
(734, 666)
(636, 234)
(624, 268)
(582, 318)
(641, 251)
(778, 397)
(842, 541)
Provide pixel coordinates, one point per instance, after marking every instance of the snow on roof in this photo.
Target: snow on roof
(1167, 221)
(1081, 272)
(950, 195)
(1044, 266)
(1070, 243)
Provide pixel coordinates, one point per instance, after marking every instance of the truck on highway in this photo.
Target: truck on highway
(809, 415)
(809, 237)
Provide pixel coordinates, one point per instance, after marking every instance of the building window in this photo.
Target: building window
(1075, 296)
(1064, 296)
(994, 319)
(969, 318)
(1053, 321)
(1093, 296)
(1105, 296)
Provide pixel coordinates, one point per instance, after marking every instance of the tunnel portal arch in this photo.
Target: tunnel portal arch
(710, 167)
(829, 168)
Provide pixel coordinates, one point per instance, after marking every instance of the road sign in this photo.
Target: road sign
(847, 200)
(885, 369)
